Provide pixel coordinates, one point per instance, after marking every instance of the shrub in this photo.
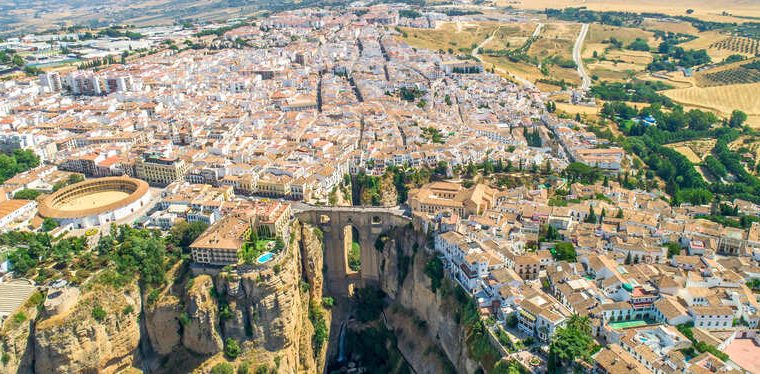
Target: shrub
(231, 348)
(128, 309)
(98, 313)
(328, 302)
(317, 318)
(225, 313)
(19, 317)
(184, 319)
(244, 368)
(153, 296)
(222, 368)
(434, 270)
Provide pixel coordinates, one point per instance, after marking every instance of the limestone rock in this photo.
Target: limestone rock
(17, 343)
(162, 324)
(201, 332)
(76, 342)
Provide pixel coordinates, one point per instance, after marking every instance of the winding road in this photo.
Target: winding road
(519, 79)
(577, 49)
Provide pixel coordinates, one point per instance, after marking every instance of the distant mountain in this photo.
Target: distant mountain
(24, 16)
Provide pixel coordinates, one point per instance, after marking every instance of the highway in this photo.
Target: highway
(577, 49)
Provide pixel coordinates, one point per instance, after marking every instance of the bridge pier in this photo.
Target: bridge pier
(336, 223)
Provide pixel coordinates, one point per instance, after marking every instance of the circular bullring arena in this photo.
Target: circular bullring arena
(95, 202)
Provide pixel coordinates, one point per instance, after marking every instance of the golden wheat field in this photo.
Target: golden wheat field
(707, 10)
(722, 99)
(458, 36)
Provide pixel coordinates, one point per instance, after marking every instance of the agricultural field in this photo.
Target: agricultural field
(599, 33)
(583, 110)
(552, 48)
(750, 144)
(675, 79)
(34, 16)
(738, 44)
(510, 36)
(556, 43)
(694, 150)
(709, 40)
(615, 64)
(706, 10)
(459, 37)
(722, 99)
(525, 71)
(735, 73)
(556, 39)
(619, 65)
(677, 27)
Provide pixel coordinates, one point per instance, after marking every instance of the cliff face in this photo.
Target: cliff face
(162, 324)
(100, 333)
(185, 324)
(265, 310)
(405, 281)
(201, 329)
(269, 308)
(17, 343)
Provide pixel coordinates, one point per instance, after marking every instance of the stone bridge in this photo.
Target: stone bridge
(336, 223)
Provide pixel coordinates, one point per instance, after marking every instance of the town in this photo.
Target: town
(573, 253)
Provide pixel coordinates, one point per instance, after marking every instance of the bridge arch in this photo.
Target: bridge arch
(340, 225)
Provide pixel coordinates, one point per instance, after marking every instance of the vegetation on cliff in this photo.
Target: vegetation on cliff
(572, 343)
(479, 346)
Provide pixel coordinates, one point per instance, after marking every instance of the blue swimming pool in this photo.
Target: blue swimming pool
(264, 258)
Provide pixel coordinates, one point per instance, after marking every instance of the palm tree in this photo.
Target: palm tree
(580, 323)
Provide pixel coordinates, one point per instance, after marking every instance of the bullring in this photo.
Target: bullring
(96, 202)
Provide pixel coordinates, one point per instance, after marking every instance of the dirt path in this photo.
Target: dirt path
(520, 80)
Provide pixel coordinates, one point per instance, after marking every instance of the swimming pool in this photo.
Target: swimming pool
(264, 258)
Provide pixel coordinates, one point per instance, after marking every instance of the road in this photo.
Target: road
(520, 80)
(537, 31)
(577, 49)
(476, 51)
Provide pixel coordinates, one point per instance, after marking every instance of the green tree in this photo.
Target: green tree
(673, 249)
(98, 313)
(223, 368)
(48, 224)
(574, 341)
(184, 233)
(564, 251)
(737, 118)
(434, 270)
(27, 194)
(231, 348)
(591, 217)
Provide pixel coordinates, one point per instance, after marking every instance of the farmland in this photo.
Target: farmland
(722, 99)
(454, 37)
(738, 44)
(706, 10)
(709, 40)
(548, 57)
(694, 150)
(736, 73)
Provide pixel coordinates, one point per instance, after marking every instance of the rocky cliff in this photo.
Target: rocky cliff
(100, 333)
(419, 312)
(17, 342)
(200, 320)
(184, 325)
